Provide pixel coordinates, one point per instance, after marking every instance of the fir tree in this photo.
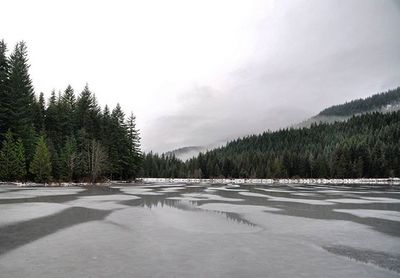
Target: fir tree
(41, 164)
(21, 89)
(12, 159)
(5, 98)
(39, 110)
(22, 98)
(135, 155)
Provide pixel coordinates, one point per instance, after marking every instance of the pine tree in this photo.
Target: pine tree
(5, 99)
(119, 152)
(68, 106)
(12, 159)
(21, 89)
(87, 113)
(135, 154)
(22, 98)
(39, 113)
(41, 164)
(53, 129)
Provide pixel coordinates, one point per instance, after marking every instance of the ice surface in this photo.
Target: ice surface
(135, 190)
(364, 200)
(381, 214)
(227, 189)
(200, 222)
(304, 194)
(190, 232)
(211, 197)
(32, 193)
(236, 208)
(188, 199)
(102, 202)
(284, 199)
(14, 213)
(274, 190)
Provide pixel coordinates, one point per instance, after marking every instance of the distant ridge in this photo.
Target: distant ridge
(375, 102)
(185, 153)
(382, 102)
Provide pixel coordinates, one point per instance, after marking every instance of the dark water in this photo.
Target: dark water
(178, 230)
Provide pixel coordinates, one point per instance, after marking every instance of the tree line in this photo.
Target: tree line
(365, 146)
(68, 138)
(364, 105)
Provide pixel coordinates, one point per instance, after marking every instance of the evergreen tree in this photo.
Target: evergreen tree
(41, 164)
(22, 98)
(21, 89)
(68, 106)
(12, 159)
(87, 113)
(5, 98)
(135, 155)
(39, 110)
(119, 151)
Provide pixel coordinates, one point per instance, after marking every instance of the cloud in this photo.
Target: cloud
(308, 55)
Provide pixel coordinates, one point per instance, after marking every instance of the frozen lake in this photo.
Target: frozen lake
(178, 230)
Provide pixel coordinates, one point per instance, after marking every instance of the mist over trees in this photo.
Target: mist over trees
(363, 105)
(364, 146)
(68, 138)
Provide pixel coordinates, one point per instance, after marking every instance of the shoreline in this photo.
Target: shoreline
(365, 181)
(371, 181)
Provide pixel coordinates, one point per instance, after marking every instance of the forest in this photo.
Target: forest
(364, 146)
(364, 105)
(67, 138)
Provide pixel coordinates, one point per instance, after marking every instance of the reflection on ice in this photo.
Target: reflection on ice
(200, 221)
(102, 202)
(211, 197)
(236, 208)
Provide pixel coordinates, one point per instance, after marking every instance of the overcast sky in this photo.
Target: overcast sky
(201, 72)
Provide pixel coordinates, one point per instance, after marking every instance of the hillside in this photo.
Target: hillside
(386, 101)
(382, 102)
(186, 152)
(364, 146)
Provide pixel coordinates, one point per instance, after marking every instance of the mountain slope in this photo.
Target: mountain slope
(382, 102)
(379, 102)
(185, 153)
(364, 146)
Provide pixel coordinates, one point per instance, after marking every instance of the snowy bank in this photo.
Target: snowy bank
(383, 181)
(52, 184)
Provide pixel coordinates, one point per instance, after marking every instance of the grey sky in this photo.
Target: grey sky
(201, 72)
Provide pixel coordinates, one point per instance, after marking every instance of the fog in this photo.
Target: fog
(308, 55)
(201, 73)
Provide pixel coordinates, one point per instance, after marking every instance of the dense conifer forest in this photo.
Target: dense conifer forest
(67, 138)
(364, 146)
(364, 105)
